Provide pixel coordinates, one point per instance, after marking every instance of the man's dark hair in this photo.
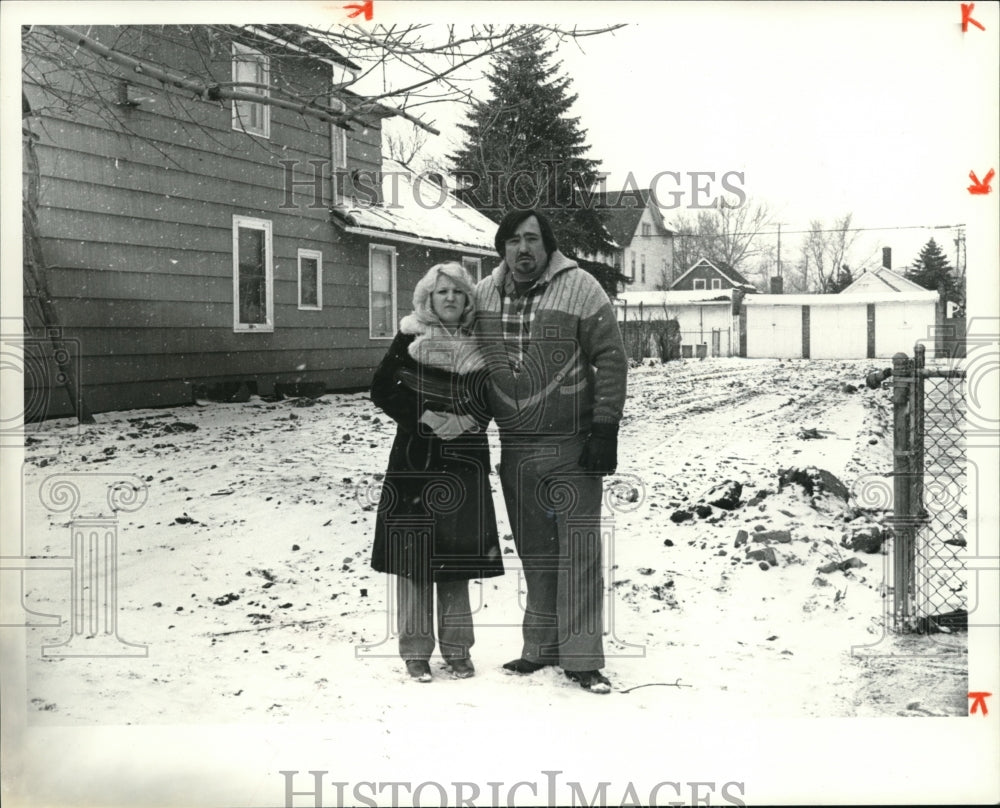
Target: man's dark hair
(513, 220)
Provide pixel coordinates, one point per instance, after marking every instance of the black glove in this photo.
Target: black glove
(600, 453)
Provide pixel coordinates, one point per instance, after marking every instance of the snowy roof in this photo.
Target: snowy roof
(673, 298)
(302, 38)
(623, 210)
(865, 296)
(881, 278)
(417, 210)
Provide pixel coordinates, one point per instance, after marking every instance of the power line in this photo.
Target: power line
(830, 230)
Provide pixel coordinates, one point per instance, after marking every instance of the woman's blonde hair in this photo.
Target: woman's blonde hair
(422, 307)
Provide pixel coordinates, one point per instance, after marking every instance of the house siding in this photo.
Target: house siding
(656, 247)
(703, 273)
(137, 235)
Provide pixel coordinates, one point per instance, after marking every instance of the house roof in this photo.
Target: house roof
(301, 38)
(415, 210)
(882, 279)
(726, 271)
(624, 210)
(867, 296)
(676, 298)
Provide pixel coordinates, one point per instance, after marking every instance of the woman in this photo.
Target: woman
(436, 527)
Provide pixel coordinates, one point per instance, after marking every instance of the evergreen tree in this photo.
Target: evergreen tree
(522, 149)
(932, 271)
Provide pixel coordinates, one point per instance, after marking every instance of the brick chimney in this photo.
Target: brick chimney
(777, 285)
(887, 257)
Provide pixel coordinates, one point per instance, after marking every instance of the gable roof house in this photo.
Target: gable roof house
(707, 275)
(645, 246)
(881, 279)
(202, 228)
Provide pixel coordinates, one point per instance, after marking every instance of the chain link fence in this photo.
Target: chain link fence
(929, 580)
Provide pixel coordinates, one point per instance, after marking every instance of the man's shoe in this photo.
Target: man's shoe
(523, 666)
(462, 668)
(419, 670)
(594, 681)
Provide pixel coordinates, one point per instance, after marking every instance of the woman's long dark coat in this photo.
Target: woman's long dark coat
(435, 515)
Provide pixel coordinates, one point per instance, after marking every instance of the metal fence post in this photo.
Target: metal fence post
(917, 445)
(903, 545)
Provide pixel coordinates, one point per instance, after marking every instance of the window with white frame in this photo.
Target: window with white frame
(253, 275)
(474, 266)
(338, 153)
(699, 283)
(310, 280)
(381, 291)
(647, 229)
(251, 74)
(716, 283)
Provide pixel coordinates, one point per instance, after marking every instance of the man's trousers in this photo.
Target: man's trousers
(554, 508)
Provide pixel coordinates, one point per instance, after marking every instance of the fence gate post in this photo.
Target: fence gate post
(903, 522)
(917, 446)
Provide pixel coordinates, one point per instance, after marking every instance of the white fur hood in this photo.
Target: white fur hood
(436, 347)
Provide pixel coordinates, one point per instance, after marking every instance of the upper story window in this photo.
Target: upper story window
(251, 74)
(647, 229)
(699, 283)
(716, 283)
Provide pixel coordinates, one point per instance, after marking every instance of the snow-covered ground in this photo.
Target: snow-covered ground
(246, 574)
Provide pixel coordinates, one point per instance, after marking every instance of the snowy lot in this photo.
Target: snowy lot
(246, 571)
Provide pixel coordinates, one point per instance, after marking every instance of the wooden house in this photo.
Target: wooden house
(881, 279)
(704, 275)
(645, 246)
(199, 240)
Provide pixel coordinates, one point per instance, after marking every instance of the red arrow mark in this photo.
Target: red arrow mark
(967, 18)
(368, 8)
(979, 700)
(983, 187)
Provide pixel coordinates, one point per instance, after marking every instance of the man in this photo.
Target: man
(557, 388)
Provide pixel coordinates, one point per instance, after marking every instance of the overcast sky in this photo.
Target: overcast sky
(880, 110)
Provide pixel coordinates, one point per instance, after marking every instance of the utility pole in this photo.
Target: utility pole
(777, 283)
(779, 249)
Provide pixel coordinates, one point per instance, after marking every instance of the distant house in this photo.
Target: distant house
(881, 280)
(645, 246)
(246, 247)
(706, 275)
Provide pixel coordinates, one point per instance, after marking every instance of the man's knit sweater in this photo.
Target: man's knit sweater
(556, 358)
